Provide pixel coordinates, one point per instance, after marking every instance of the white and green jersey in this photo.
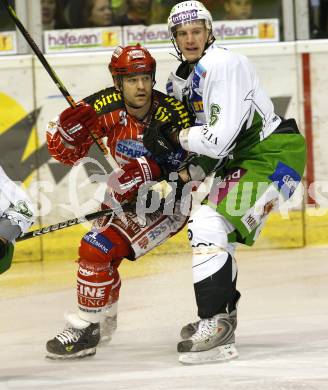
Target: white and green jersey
(16, 211)
(224, 93)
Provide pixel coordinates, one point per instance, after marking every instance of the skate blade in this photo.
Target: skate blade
(78, 355)
(218, 354)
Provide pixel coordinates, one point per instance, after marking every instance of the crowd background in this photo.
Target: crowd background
(62, 14)
(318, 18)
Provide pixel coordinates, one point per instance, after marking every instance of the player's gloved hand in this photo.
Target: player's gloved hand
(125, 184)
(164, 196)
(75, 124)
(161, 138)
(6, 255)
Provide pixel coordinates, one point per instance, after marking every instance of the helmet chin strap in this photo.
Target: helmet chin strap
(179, 54)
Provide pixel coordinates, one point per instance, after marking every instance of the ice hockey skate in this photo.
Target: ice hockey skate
(213, 341)
(78, 340)
(188, 330)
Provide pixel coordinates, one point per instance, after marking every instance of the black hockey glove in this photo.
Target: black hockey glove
(161, 139)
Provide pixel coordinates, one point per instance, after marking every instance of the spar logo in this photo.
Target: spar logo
(185, 16)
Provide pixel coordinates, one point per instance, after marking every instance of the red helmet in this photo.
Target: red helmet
(131, 59)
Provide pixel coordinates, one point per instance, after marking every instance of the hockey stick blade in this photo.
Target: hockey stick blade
(64, 224)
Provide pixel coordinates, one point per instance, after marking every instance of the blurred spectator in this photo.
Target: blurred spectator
(324, 17)
(314, 16)
(161, 9)
(215, 8)
(238, 9)
(90, 13)
(52, 15)
(137, 12)
(6, 23)
(318, 18)
(117, 6)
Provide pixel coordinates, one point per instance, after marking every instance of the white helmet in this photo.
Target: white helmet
(188, 11)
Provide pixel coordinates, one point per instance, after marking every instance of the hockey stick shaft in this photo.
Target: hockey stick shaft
(38, 53)
(65, 224)
(53, 75)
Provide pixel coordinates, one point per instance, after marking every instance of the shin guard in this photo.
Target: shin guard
(94, 286)
(98, 280)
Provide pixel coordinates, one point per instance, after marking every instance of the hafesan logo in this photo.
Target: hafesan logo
(7, 43)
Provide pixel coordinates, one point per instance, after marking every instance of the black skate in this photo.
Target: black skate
(74, 343)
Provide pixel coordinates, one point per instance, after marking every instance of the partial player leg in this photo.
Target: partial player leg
(108, 321)
(188, 330)
(98, 285)
(215, 273)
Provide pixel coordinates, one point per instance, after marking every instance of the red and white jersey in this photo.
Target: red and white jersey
(124, 132)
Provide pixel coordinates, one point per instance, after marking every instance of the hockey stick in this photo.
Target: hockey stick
(64, 224)
(54, 77)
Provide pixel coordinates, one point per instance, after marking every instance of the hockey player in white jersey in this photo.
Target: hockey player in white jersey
(265, 159)
(16, 217)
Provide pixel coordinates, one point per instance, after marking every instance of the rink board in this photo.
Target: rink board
(278, 233)
(29, 99)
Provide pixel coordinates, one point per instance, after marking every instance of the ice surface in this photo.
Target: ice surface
(282, 336)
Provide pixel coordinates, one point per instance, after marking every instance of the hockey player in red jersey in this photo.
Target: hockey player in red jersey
(119, 113)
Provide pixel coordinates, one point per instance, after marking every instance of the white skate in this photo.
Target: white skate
(213, 341)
